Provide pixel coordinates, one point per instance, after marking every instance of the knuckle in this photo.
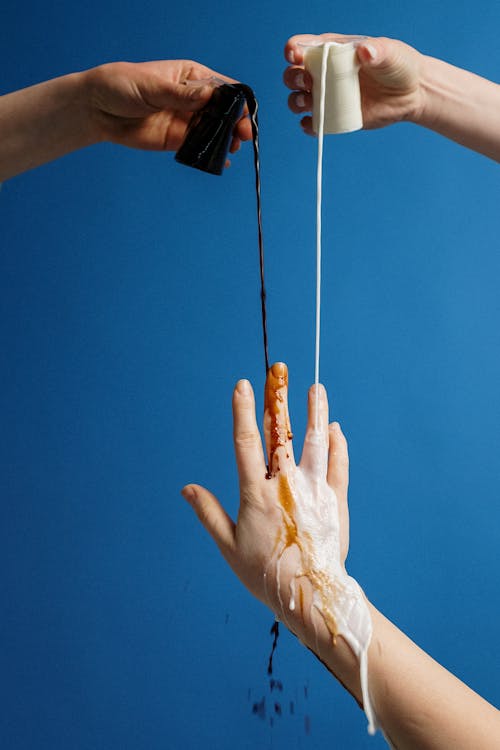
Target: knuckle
(244, 438)
(251, 495)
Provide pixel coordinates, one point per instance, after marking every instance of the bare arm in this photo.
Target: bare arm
(461, 106)
(418, 703)
(43, 122)
(398, 83)
(141, 105)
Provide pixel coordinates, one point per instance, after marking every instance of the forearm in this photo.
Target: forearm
(461, 105)
(43, 122)
(418, 703)
(421, 705)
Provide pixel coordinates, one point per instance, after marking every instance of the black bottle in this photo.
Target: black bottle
(209, 132)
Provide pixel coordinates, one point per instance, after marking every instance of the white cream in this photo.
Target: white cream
(311, 525)
(309, 505)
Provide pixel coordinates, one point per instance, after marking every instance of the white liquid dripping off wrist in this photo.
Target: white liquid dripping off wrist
(351, 612)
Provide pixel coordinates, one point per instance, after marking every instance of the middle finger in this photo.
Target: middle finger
(277, 430)
(296, 77)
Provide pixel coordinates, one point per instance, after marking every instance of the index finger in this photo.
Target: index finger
(247, 442)
(196, 74)
(243, 128)
(195, 71)
(294, 52)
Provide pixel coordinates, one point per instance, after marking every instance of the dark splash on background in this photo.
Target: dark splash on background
(276, 705)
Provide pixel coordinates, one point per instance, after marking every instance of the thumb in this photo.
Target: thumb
(212, 516)
(183, 97)
(370, 53)
(386, 60)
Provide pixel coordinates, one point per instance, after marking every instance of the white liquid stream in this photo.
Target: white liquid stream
(317, 516)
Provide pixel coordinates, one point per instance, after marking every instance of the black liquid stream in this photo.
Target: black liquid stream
(253, 107)
(253, 110)
(275, 631)
(206, 145)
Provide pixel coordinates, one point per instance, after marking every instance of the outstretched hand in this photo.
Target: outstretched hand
(148, 105)
(268, 547)
(389, 77)
(276, 547)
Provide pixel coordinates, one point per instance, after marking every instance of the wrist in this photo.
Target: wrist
(311, 628)
(430, 96)
(65, 112)
(95, 123)
(419, 104)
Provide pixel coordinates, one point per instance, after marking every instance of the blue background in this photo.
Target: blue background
(129, 308)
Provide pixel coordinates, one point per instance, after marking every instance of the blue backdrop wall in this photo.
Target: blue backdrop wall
(129, 308)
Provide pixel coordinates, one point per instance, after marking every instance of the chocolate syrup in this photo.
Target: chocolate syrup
(307, 724)
(254, 119)
(275, 631)
(259, 708)
(206, 146)
(253, 110)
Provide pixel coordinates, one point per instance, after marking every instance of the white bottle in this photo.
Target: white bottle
(342, 93)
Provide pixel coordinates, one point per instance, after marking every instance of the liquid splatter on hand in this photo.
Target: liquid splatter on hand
(291, 538)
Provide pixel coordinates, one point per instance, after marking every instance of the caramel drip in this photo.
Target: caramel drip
(319, 580)
(287, 503)
(274, 403)
(327, 591)
(301, 601)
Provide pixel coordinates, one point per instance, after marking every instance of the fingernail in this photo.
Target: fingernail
(188, 493)
(279, 370)
(299, 81)
(291, 56)
(335, 427)
(300, 101)
(243, 387)
(371, 51)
